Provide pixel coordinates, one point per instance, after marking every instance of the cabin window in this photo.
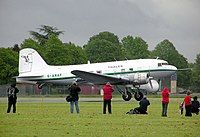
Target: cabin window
(164, 63)
(159, 64)
(131, 69)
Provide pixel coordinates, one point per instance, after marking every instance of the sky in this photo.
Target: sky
(152, 20)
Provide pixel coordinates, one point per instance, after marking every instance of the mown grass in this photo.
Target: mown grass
(53, 119)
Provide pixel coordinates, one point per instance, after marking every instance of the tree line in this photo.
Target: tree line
(102, 47)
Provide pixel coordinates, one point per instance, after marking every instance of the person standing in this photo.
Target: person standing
(165, 101)
(74, 90)
(187, 102)
(107, 96)
(12, 97)
(195, 106)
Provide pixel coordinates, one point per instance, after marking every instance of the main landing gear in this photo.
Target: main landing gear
(138, 95)
(127, 95)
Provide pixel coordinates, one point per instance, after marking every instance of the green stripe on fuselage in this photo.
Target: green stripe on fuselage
(138, 71)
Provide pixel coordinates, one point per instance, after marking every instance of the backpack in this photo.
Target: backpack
(11, 92)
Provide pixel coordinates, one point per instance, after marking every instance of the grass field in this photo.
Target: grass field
(38, 119)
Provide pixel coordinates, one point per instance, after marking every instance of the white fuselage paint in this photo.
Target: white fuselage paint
(34, 70)
(123, 69)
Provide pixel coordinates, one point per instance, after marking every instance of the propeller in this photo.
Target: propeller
(150, 78)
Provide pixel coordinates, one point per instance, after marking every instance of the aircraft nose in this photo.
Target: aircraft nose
(174, 68)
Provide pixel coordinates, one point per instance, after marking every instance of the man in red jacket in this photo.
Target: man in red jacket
(107, 96)
(165, 101)
(187, 102)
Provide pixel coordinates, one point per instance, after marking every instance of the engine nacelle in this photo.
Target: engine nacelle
(140, 78)
(151, 86)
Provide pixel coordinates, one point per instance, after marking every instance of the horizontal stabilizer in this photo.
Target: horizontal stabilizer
(29, 76)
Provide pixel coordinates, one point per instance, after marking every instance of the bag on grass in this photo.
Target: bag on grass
(133, 111)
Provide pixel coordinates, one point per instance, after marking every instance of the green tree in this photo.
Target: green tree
(54, 52)
(8, 65)
(30, 43)
(166, 51)
(16, 48)
(108, 36)
(58, 53)
(44, 33)
(135, 48)
(195, 80)
(76, 54)
(104, 47)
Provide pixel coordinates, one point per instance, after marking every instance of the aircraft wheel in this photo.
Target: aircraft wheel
(127, 97)
(138, 96)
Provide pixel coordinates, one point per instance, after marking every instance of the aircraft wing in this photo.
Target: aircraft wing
(185, 69)
(98, 79)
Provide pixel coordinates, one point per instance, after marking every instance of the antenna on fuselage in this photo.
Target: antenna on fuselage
(157, 57)
(88, 62)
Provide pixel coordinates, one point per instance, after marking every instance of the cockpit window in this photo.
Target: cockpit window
(160, 64)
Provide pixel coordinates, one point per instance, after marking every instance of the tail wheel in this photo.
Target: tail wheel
(138, 96)
(40, 85)
(127, 97)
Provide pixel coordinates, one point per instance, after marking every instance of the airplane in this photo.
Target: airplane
(125, 75)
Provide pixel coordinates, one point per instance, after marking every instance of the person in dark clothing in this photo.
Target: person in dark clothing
(195, 105)
(142, 109)
(107, 96)
(74, 90)
(12, 97)
(144, 103)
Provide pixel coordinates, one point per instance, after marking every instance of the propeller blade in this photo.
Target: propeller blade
(150, 82)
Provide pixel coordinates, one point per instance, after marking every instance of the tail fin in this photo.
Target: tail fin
(30, 61)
